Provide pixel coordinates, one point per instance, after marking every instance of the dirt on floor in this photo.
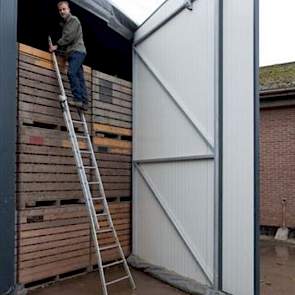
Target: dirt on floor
(277, 268)
(89, 285)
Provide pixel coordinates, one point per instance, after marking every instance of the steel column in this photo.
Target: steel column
(8, 57)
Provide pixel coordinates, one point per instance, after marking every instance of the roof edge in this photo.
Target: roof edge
(115, 18)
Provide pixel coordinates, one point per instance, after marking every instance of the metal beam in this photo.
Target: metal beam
(175, 159)
(218, 206)
(8, 57)
(256, 152)
(176, 224)
(186, 5)
(180, 105)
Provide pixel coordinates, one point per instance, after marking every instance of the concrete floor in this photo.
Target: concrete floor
(277, 268)
(89, 285)
(277, 277)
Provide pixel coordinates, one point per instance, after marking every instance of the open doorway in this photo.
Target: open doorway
(277, 158)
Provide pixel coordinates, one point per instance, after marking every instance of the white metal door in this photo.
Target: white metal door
(178, 97)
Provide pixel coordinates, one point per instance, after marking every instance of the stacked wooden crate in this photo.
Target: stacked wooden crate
(112, 131)
(53, 235)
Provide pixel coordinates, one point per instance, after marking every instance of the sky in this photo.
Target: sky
(277, 26)
(277, 36)
(137, 10)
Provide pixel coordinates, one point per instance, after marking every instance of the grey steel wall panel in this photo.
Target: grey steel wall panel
(238, 148)
(179, 72)
(8, 20)
(174, 107)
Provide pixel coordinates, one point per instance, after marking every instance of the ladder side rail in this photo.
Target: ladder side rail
(101, 189)
(60, 83)
(80, 166)
(87, 193)
(70, 127)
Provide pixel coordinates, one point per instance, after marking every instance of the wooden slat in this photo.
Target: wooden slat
(44, 91)
(117, 101)
(115, 165)
(27, 63)
(52, 269)
(31, 245)
(68, 212)
(50, 186)
(42, 55)
(39, 168)
(59, 177)
(112, 143)
(111, 107)
(111, 121)
(113, 79)
(48, 252)
(44, 159)
(36, 84)
(111, 114)
(40, 199)
(64, 186)
(112, 129)
(34, 52)
(113, 157)
(44, 150)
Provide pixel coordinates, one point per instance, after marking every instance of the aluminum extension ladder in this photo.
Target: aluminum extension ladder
(85, 183)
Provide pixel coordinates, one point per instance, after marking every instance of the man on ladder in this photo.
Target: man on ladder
(72, 41)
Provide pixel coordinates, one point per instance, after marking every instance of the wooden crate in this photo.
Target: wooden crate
(57, 240)
(53, 230)
(112, 133)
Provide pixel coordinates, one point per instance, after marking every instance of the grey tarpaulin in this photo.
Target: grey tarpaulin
(169, 277)
(114, 18)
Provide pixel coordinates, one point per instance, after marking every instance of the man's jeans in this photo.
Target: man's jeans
(76, 76)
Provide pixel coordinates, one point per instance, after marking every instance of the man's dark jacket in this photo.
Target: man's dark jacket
(72, 35)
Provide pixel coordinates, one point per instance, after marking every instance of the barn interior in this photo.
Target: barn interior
(108, 33)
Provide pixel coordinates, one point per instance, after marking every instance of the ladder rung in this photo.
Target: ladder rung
(108, 247)
(93, 182)
(101, 231)
(113, 263)
(77, 122)
(117, 280)
(85, 152)
(81, 136)
(89, 167)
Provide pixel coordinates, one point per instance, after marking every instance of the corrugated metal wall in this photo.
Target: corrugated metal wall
(238, 147)
(8, 13)
(174, 121)
(176, 195)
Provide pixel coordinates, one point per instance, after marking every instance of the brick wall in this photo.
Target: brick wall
(277, 165)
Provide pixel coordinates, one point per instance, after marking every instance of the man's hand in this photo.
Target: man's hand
(52, 48)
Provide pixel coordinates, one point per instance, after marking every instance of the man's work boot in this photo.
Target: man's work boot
(85, 106)
(76, 103)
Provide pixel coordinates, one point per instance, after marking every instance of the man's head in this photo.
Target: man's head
(63, 9)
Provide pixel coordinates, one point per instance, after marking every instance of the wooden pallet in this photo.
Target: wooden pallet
(54, 240)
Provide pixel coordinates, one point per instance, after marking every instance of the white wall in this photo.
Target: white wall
(238, 148)
(175, 116)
